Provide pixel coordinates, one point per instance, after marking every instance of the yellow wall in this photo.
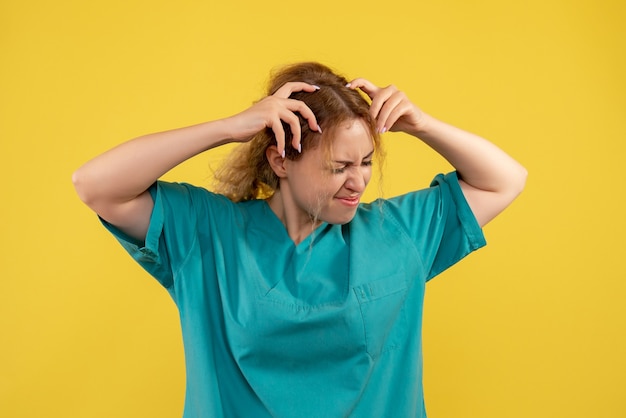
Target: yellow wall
(531, 326)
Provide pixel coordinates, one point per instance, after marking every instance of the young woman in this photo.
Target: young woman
(296, 299)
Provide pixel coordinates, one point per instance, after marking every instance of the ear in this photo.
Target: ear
(276, 161)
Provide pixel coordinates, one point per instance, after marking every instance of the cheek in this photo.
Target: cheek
(334, 184)
(312, 194)
(321, 194)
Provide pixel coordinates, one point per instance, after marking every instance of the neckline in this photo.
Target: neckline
(277, 224)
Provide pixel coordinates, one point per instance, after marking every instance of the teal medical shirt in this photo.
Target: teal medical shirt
(330, 327)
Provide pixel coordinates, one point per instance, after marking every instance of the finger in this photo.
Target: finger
(292, 120)
(402, 110)
(297, 105)
(365, 85)
(390, 106)
(293, 86)
(381, 98)
(304, 111)
(279, 134)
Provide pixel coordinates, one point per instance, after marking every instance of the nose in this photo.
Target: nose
(357, 180)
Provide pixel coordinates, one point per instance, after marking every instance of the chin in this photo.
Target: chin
(339, 219)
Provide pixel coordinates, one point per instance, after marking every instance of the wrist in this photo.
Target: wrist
(423, 126)
(223, 131)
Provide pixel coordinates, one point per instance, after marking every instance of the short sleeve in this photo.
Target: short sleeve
(171, 234)
(440, 223)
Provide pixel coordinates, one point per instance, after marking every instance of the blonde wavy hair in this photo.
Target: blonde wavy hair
(247, 175)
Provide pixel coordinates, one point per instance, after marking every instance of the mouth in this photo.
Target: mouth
(350, 201)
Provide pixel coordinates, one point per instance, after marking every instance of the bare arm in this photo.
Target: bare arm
(490, 178)
(115, 184)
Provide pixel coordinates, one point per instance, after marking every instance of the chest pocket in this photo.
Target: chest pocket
(381, 305)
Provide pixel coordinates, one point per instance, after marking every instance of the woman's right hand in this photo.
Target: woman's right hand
(115, 184)
(270, 112)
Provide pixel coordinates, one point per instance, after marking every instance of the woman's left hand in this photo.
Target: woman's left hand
(391, 108)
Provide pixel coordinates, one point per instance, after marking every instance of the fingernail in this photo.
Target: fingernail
(319, 129)
(316, 87)
(348, 85)
(382, 131)
(300, 148)
(283, 154)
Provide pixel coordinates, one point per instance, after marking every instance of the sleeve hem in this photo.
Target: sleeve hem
(147, 253)
(470, 225)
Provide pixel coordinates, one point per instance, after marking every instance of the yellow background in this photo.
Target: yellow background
(531, 326)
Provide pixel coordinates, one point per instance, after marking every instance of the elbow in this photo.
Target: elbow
(514, 184)
(80, 180)
(520, 179)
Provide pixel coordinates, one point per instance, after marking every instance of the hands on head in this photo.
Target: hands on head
(390, 107)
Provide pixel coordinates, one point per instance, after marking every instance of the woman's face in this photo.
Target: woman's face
(331, 190)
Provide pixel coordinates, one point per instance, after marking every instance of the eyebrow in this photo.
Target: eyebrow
(351, 162)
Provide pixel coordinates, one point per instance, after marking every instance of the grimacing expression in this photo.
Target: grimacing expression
(331, 190)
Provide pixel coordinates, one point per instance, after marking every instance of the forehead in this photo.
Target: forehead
(351, 139)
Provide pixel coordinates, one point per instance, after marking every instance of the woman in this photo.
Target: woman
(295, 299)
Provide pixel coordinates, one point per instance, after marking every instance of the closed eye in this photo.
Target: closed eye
(342, 169)
(343, 165)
